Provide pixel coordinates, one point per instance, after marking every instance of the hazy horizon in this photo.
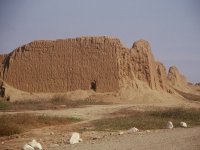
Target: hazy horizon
(172, 27)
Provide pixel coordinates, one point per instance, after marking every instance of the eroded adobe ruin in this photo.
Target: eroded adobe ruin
(82, 63)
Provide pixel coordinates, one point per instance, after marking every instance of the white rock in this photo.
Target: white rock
(169, 125)
(121, 132)
(183, 124)
(132, 130)
(35, 144)
(75, 138)
(27, 147)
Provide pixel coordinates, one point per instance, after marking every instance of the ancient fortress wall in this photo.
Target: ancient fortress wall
(72, 64)
(2, 58)
(64, 65)
(139, 63)
(176, 79)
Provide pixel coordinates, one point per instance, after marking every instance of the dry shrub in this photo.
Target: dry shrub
(17, 123)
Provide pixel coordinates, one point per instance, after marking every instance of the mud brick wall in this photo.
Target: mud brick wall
(175, 78)
(162, 75)
(72, 64)
(64, 65)
(2, 58)
(139, 62)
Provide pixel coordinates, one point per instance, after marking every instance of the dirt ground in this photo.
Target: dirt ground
(56, 137)
(176, 139)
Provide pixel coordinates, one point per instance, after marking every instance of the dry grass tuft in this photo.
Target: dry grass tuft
(14, 124)
(55, 103)
(149, 119)
(60, 100)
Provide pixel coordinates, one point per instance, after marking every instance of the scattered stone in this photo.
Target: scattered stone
(2, 143)
(51, 133)
(27, 147)
(148, 131)
(62, 106)
(94, 138)
(75, 138)
(35, 144)
(132, 130)
(121, 133)
(169, 125)
(183, 124)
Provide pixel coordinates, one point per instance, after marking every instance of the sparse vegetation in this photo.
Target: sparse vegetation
(55, 103)
(14, 124)
(4, 105)
(60, 100)
(149, 119)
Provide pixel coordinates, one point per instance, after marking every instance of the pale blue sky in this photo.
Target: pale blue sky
(171, 26)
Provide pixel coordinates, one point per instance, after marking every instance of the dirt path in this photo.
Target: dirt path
(176, 139)
(86, 113)
(91, 112)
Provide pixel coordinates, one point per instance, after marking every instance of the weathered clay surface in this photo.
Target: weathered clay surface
(72, 64)
(162, 76)
(64, 65)
(139, 62)
(2, 58)
(175, 78)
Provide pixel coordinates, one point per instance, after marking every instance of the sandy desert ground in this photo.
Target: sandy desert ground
(56, 137)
